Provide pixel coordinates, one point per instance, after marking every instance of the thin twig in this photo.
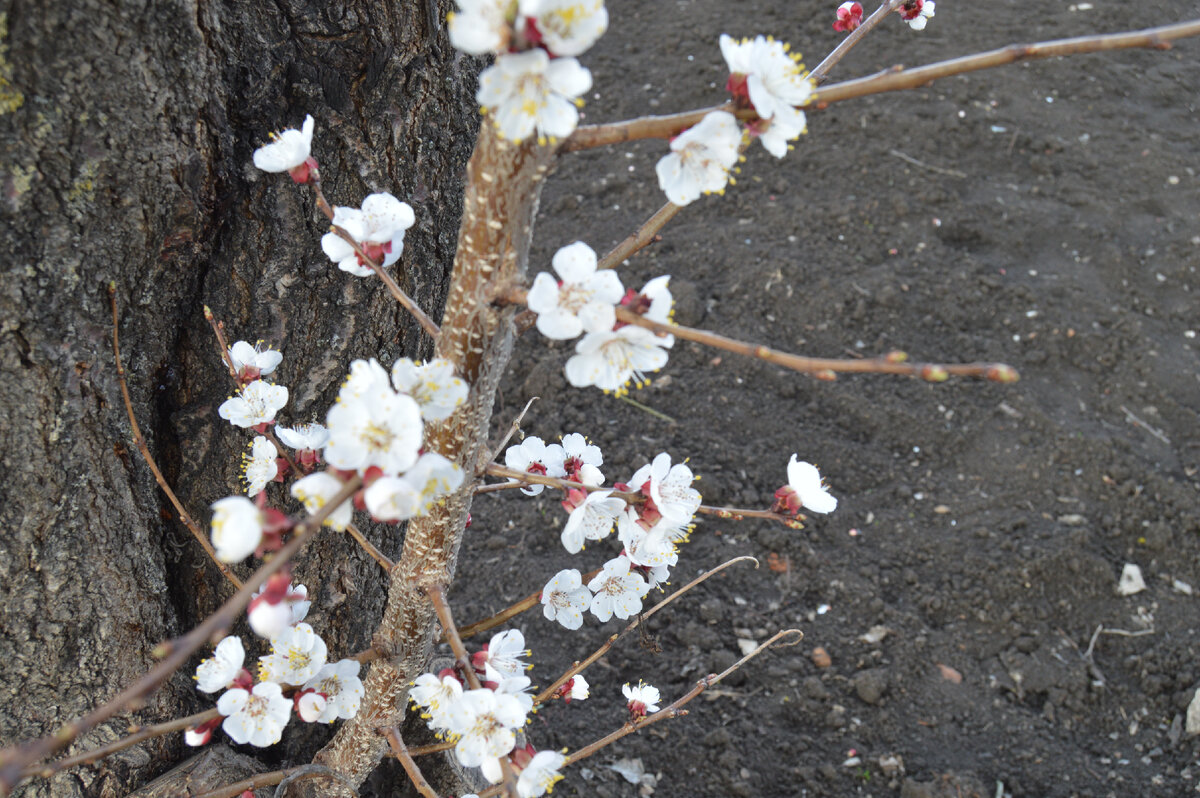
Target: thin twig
(820, 367)
(253, 783)
(433, 748)
(838, 53)
(739, 514)
(640, 237)
(827, 368)
(512, 611)
(673, 710)
(512, 430)
(895, 79)
(222, 345)
(579, 666)
(140, 442)
(437, 594)
(173, 653)
(135, 736)
(406, 761)
(524, 478)
(370, 548)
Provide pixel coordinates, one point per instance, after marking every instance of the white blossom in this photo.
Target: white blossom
(216, 672)
(380, 428)
(591, 520)
(565, 599)
(257, 403)
(381, 221)
(400, 498)
(288, 148)
(610, 360)
(268, 620)
(304, 437)
(579, 688)
(366, 377)
(342, 688)
(256, 717)
(775, 84)
(541, 774)
(486, 721)
(501, 659)
(919, 17)
(579, 455)
(583, 299)
(526, 93)
(254, 359)
(237, 528)
(260, 466)
(566, 27)
(297, 653)
(700, 159)
(535, 456)
(662, 305)
(438, 696)
(642, 699)
(481, 26)
(518, 687)
(650, 548)
(314, 490)
(617, 591)
(670, 486)
(806, 481)
(310, 706)
(435, 386)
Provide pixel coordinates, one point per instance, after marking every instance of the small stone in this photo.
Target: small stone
(747, 646)
(821, 658)
(870, 686)
(1131, 580)
(1192, 722)
(874, 635)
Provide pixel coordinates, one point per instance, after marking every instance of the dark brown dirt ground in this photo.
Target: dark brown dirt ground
(1046, 215)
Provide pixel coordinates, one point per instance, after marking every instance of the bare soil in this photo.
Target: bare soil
(1046, 215)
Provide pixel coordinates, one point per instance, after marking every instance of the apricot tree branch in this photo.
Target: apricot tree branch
(410, 767)
(639, 238)
(142, 448)
(136, 735)
(578, 667)
(827, 368)
(854, 37)
(173, 653)
(437, 594)
(895, 79)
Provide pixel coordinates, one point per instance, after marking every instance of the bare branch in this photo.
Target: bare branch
(828, 368)
(135, 736)
(410, 767)
(437, 594)
(578, 667)
(854, 37)
(895, 79)
(640, 237)
(140, 442)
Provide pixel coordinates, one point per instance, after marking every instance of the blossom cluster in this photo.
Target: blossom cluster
(535, 85)
(374, 231)
(648, 529)
(483, 722)
(583, 299)
(763, 76)
(295, 675)
(375, 429)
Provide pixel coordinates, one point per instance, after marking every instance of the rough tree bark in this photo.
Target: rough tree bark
(127, 129)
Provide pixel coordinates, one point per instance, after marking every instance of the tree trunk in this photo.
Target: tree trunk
(128, 130)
